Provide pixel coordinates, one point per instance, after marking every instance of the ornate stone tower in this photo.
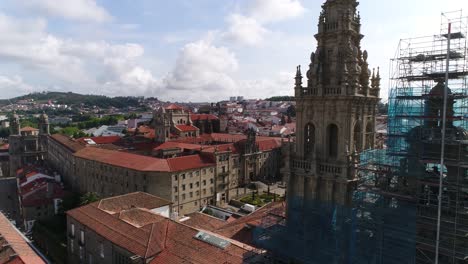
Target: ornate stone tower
(162, 125)
(335, 113)
(44, 128)
(15, 141)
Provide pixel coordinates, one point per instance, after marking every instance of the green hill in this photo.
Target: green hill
(75, 99)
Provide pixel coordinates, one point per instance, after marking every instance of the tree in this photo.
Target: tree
(283, 120)
(291, 111)
(89, 197)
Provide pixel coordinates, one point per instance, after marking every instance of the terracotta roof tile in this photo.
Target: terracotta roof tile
(186, 128)
(157, 238)
(101, 140)
(195, 117)
(132, 200)
(143, 163)
(16, 245)
(173, 107)
(189, 162)
(67, 142)
(124, 159)
(204, 221)
(28, 129)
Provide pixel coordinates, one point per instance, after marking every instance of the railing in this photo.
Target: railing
(333, 91)
(328, 168)
(302, 164)
(309, 91)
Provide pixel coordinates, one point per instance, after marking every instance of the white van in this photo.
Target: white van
(248, 208)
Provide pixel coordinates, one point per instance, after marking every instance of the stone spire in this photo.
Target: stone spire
(15, 125)
(339, 66)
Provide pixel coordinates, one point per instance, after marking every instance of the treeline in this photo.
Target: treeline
(280, 98)
(74, 99)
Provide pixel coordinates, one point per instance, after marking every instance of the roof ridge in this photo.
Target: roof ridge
(111, 227)
(149, 240)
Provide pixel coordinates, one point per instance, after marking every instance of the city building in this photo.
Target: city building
(40, 195)
(15, 247)
(173, 122)
(27, 146)
(131, 229)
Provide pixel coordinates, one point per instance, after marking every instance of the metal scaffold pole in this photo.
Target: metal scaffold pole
(442, 151)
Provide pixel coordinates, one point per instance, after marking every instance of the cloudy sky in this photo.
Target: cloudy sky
(185, 50)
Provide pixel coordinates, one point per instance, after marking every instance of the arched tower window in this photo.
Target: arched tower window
(357, 137)
(332, 140)
(309, 139)
(369, 135)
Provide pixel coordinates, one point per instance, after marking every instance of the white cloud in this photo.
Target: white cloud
(244, 30)
(97, 67)
(79, 10)
(11, 86)
(205, 72)
(266, 11)
(202, 72)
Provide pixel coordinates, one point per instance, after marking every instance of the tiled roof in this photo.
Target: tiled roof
(237, 229)
(123, 159)
(132, 200)
(155, 237)
(204, 221)
(143, 163)
(11, 242)
(195, 117)
(101, 140)
(28, 129)
(189, 162)
(186, 128)
(67, 142)
(174, 107)
(121, 233)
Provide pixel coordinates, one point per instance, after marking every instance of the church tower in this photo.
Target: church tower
(335, 113)
(162, 125)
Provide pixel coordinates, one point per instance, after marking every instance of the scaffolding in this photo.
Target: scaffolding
(407, 173)
(393, 216)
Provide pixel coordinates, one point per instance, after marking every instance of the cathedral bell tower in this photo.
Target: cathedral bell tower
(162, 125)
(335, 112)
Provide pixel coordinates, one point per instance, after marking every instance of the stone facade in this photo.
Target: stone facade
(335, 112)
(28, 146)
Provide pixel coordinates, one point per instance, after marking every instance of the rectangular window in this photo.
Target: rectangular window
(197, 173)
(211, 190)
(197, 193)
(82, 237)
(191, 194)
(190, 175)
(72, 246)
(72, 230)
(183, 196)
(183, 176)
(81, 252)
(197, 184)
(183, 187)
(211, 180)
(191, 185)
(204, 182)
(204, 191)
(204, 171)
(101, 250)
(175, 189)
(175, 178)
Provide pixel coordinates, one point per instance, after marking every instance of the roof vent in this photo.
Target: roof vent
(212, 240)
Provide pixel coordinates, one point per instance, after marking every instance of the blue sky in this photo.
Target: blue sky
(185, 50)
